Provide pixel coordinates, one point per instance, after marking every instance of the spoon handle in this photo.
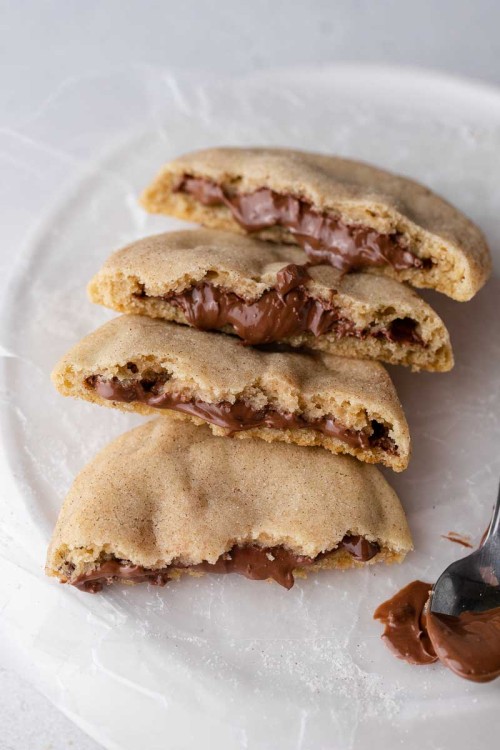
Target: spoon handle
(494, 530)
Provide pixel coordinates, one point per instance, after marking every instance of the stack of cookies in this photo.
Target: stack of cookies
(257, 341)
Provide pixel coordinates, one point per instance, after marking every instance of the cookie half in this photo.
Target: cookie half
(262, 293)
(343, 212)
(145, 365)
(166, 499)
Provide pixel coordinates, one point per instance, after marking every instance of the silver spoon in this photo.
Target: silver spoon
(472, 584)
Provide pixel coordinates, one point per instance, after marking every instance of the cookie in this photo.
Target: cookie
(219, 281)
(343, 212)
(145, 365)
(166, 499)
(262, 293)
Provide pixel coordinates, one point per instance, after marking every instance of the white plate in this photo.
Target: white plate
(224, 662)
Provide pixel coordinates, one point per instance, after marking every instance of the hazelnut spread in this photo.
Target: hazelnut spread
(287, 310)
(238, 415)
(403, 618)
(468, 644)
(257, 563)
(324, 237)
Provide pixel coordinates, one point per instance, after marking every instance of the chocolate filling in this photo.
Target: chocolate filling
(468, 644)
(257, 563)
(325, 238)
(239, 415)
(287, 310)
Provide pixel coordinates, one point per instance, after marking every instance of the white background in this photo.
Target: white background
(45, 46)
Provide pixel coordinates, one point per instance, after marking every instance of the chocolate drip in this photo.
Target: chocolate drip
(325, 238)
(257, 563)
(239, 415)
(469, 644)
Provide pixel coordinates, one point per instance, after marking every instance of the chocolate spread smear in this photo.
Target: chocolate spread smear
(257, 563)
(287, 310)
(404, 631)
(239, 415)
(469, 644)
(325, 238)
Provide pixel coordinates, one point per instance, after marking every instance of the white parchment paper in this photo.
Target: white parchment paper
(224, 662)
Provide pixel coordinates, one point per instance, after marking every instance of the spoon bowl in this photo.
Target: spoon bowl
(472, 584)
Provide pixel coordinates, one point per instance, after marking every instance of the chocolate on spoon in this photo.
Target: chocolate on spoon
(458, 619)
